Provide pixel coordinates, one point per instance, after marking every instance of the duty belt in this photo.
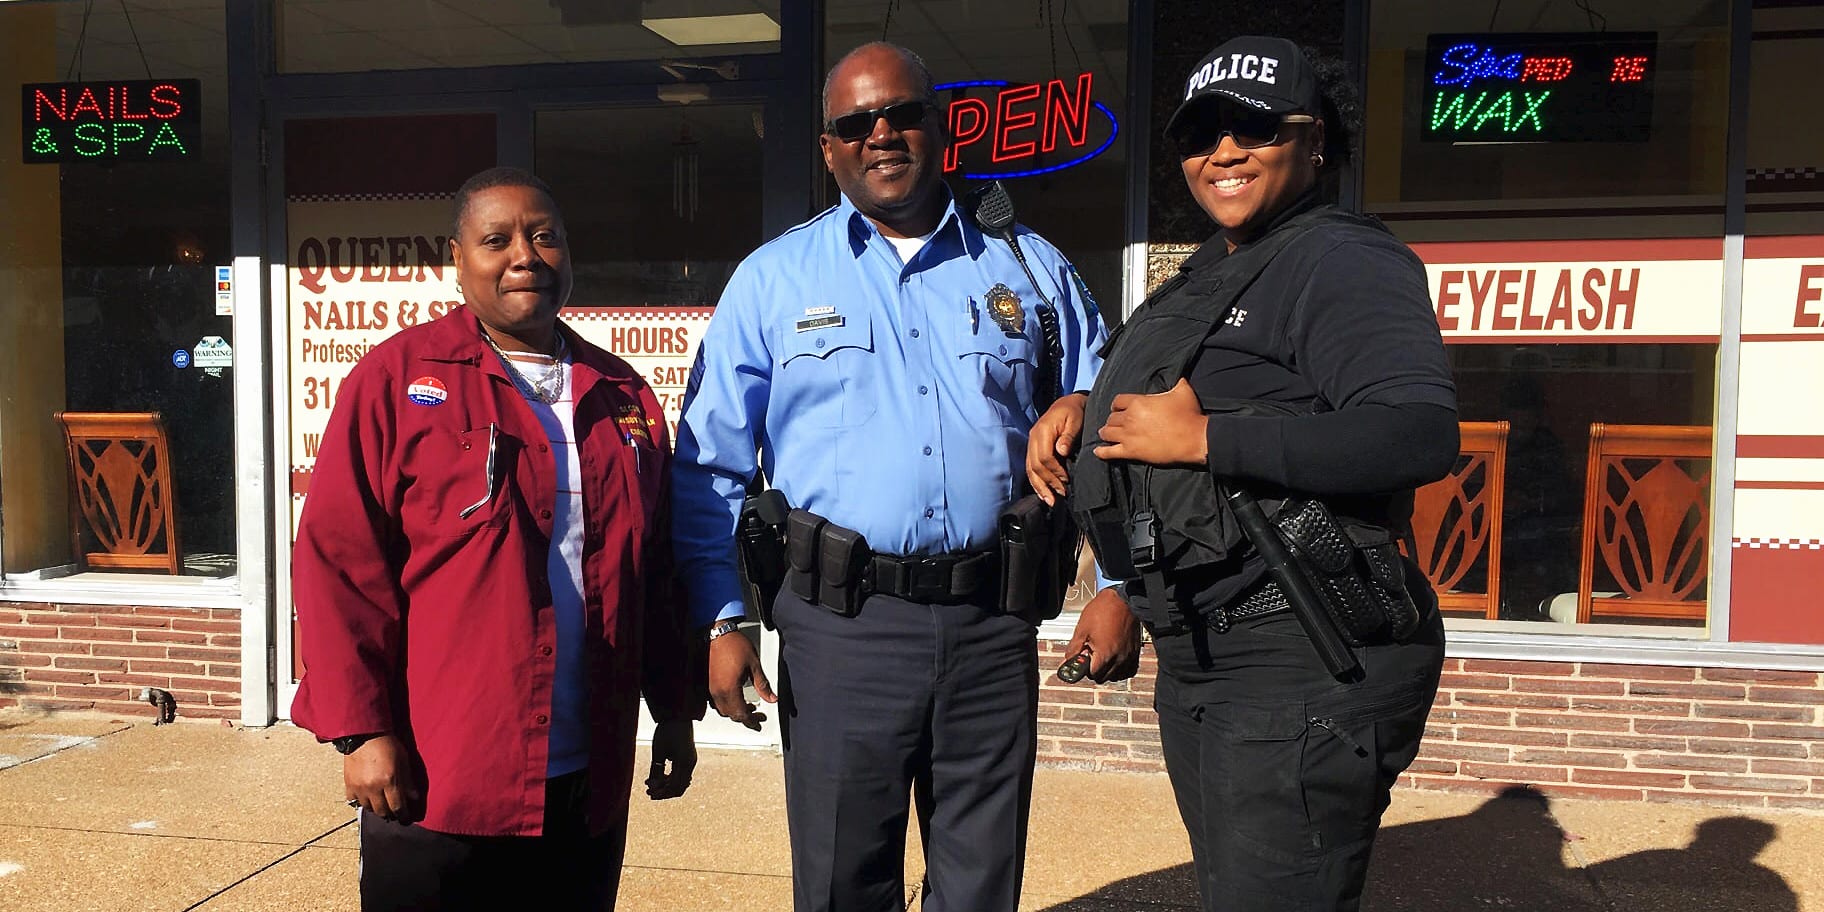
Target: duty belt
(941, 579)
(1264, 599)
(833, 566)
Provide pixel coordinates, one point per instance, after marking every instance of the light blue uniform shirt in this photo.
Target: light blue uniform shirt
(880, 395)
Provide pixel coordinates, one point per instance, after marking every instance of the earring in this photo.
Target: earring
(1317, 159)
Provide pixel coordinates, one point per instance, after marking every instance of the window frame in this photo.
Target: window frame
(242, 589)
(1716, 648)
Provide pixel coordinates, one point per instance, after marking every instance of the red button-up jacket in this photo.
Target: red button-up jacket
(417, 620)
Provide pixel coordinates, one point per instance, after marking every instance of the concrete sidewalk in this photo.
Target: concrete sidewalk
(120, 815)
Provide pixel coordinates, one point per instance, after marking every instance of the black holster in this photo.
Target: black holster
(1356, 570)
(760, 552)
(1038, 558)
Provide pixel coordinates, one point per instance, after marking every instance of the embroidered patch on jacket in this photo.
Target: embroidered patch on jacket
(427, 391)
(634, 423)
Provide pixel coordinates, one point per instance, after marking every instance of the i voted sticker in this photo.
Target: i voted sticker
(427, 391)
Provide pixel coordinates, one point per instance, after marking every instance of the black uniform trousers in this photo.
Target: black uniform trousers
(1281, 773)
(904, 697)
(407, 867)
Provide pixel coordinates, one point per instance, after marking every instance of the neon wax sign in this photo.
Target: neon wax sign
(129, 120)
(1539, 87)
(1023, 126)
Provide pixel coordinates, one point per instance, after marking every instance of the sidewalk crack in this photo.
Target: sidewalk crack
(266, 867)
(64, 743)
(1583, 863)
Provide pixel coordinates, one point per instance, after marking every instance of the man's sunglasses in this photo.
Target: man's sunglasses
(1249, 129)
(902, 116)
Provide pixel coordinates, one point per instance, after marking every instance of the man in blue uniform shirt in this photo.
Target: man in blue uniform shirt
(877, 364)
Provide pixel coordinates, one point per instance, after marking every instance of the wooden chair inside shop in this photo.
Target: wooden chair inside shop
(123, 506)
(1456, 521)
(1646, 518)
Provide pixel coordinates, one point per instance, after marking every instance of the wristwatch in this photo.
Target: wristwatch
(723, 628)
(348, 744)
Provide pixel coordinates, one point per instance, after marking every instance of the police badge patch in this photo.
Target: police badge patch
(1004, 308)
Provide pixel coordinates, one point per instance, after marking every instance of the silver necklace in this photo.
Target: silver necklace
(550, 388)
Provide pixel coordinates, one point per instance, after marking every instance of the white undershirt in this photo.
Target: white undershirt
(564, 567)
(909, 247)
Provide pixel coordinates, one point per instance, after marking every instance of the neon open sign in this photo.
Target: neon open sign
(1023, 129)
(1544, 87)
(134, 120)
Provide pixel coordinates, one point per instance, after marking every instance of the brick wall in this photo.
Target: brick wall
(1628, 732)
(1712, 736)
(1111, 727)
(99, 657)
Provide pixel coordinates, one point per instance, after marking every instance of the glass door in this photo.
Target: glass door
(662, 203)
(360, 226)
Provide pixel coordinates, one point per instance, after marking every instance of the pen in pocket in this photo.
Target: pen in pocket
(493, 441)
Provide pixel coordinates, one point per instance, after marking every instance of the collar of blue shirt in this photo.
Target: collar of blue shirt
(953, 223)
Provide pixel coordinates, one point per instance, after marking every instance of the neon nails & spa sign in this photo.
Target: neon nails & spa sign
(127, 120)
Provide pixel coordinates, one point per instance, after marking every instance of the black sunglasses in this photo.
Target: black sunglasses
(904, 115)
(1249, 129)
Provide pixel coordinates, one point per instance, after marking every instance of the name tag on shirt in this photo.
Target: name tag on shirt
(823, 322)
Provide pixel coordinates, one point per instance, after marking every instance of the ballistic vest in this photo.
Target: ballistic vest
(1127, 507)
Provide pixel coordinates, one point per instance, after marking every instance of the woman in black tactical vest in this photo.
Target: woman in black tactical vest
(1294, 357)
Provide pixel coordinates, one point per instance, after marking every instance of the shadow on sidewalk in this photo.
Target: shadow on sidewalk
(1508, 854)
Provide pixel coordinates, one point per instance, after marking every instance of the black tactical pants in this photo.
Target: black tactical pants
(1280, 772)
(904, 698)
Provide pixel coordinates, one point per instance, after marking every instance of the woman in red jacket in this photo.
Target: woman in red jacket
(483, 586)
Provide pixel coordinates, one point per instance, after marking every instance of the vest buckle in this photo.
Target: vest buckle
(1143, 542)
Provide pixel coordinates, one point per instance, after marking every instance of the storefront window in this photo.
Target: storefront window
(317, 36)
(1560, 169)
(1546, 120)
(1785, 179)
(1037, 97)
(1552, 399)
(662, 203)
(1779, 484)
(117, 224)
